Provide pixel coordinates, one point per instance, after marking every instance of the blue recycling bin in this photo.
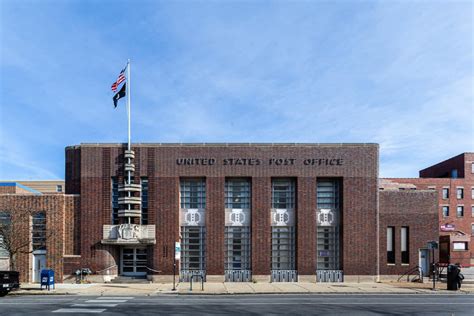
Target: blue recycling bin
(47, 279)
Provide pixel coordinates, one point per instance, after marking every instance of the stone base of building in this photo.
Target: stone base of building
(311, 278)
(255, 278)
(395, 277)
(214, 278)
(261, 278)
(360, 278)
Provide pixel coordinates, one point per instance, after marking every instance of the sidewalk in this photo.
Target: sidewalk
(151, 289)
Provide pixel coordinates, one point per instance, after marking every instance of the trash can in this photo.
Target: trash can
(47, 279)
(453, 277)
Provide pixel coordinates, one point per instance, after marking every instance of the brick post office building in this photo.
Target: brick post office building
(241, 212)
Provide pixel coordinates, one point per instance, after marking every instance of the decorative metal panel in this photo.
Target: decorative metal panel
(238, 275)
(237, 217)
(326, 217)
(186, 275)
(192, 217)
(284, 276)
(329, 276)
(283, 217)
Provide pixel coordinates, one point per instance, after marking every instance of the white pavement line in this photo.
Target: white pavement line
(94, 305)
(297, 303)
(78, 310)
(106, 301)
(115, 298)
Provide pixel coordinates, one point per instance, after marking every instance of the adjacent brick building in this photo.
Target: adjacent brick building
(412, 217)
(47, 221)
(241, 212)
(453, 180)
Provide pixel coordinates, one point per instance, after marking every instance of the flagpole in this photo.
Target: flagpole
(128, 103)
(129, 142)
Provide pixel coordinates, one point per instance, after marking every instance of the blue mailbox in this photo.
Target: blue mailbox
(47, 279)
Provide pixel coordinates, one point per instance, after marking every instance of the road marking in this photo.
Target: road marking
(78, 310)
(106, 301)
(94, 305)
(115, 298)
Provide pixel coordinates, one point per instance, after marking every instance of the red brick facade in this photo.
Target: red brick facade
(60, 211)
(89, 169)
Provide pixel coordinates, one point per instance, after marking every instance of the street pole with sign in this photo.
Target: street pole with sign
(433, 245)
(177, 256)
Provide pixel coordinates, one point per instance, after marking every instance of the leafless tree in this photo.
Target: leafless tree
(13, 239)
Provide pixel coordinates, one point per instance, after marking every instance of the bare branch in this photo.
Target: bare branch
(12, 241)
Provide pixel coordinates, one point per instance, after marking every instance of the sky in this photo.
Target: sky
(396, 73)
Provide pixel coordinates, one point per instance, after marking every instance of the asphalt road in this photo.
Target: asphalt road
(438, 304)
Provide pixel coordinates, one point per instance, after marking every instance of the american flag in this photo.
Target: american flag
(120, 79)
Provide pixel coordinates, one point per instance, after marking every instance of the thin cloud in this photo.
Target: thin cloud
(238, 72)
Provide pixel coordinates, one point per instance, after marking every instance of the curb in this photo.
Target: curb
(39, 293)
(250, 293)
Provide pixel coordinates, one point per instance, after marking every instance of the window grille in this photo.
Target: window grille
(115, 205)
(237, 193)
(193, 231)
(144, 192)
(283, 248)
(283, 194)
(38, 231)
(283, 264)
(237, 245)
(328, 225)
(237, 231)
(193, 251)
(193, 193)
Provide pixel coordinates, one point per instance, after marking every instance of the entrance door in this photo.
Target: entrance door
(39, 263)
(424, 261)
(134, 261)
